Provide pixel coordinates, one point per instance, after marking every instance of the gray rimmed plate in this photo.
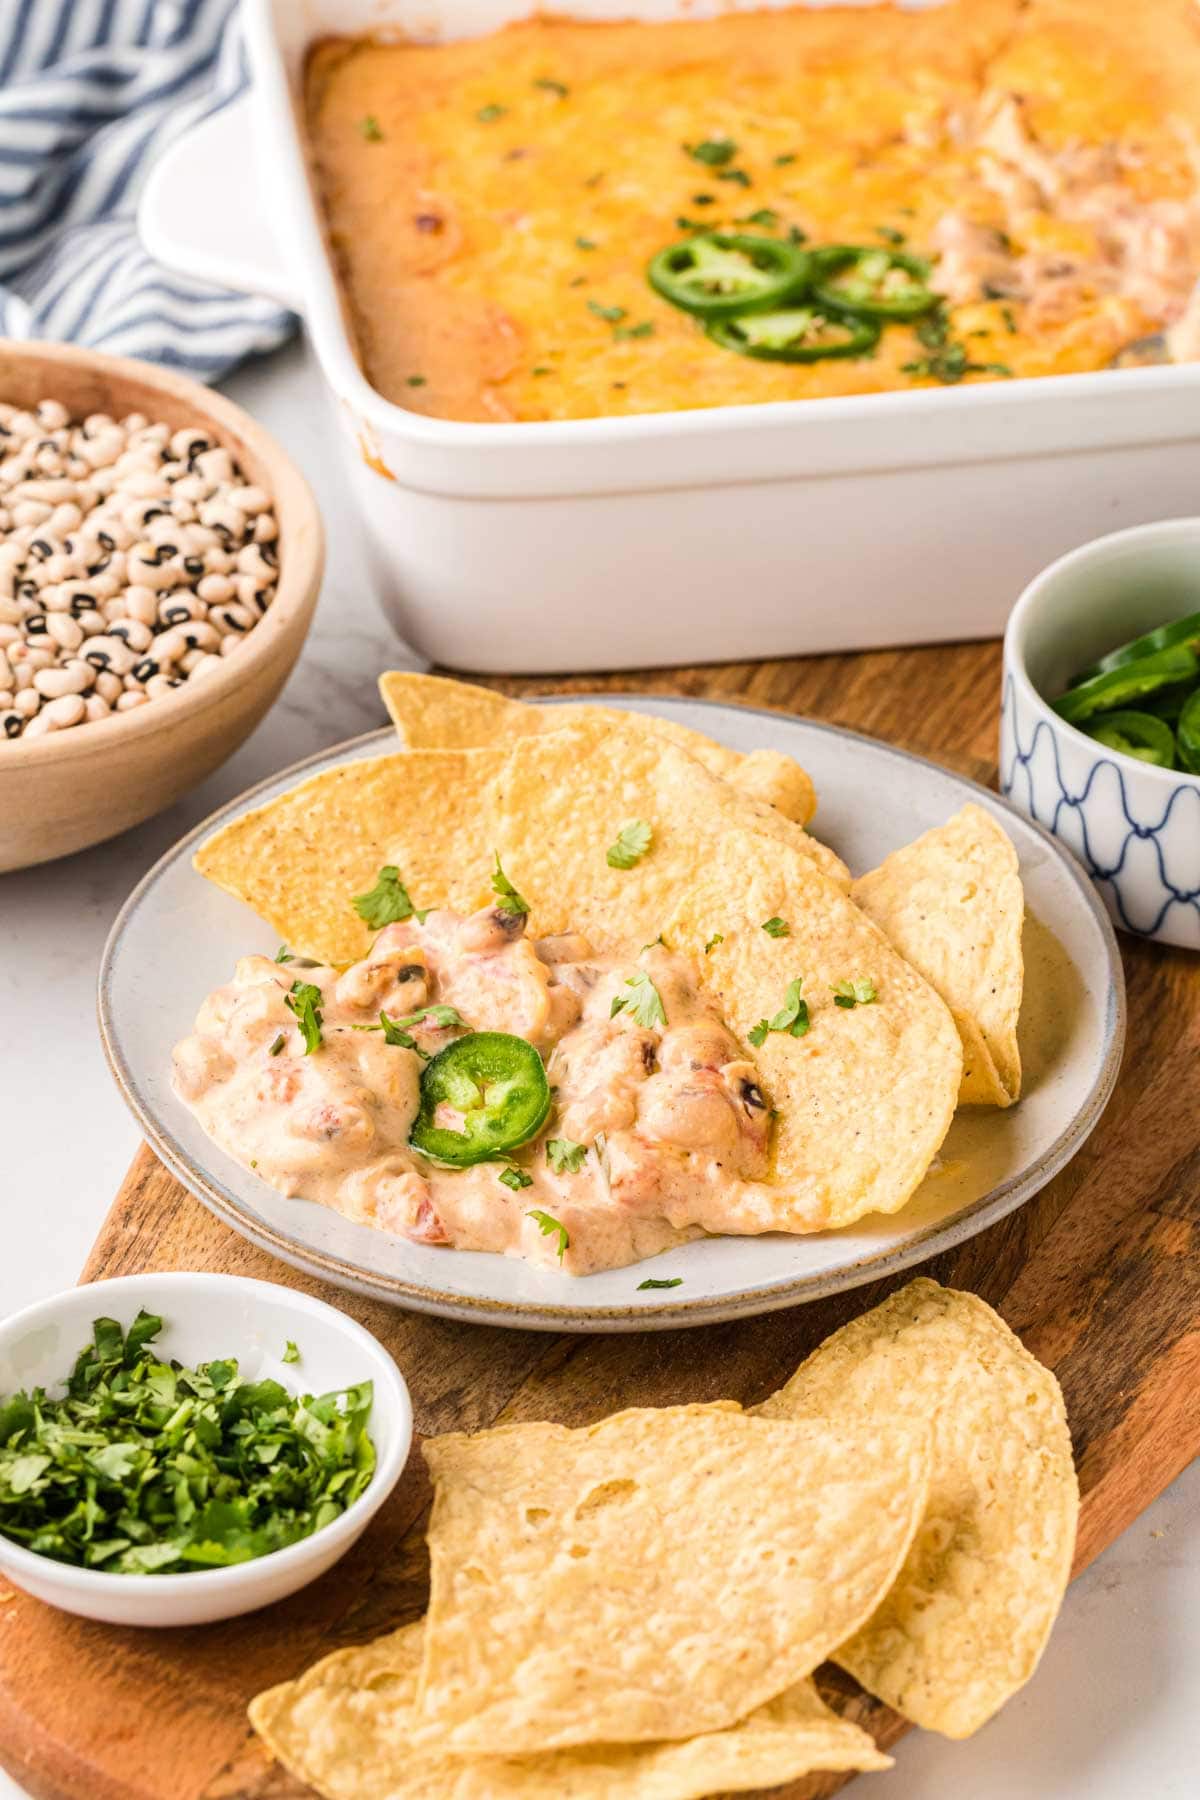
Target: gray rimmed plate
(178, 937)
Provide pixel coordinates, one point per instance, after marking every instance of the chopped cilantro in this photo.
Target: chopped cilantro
(792, 1016)
(284, 955)
(612, 315)
(644, 329)
(487, 115)
(548, 85)
(371, 129)
(291, 1354)
(889, 234)
(650, 1282)
(854, 993)
(633, 841)
(508, 901)
(417, 381)
(387, 903)
(565, 1157)
(715, 152)
(777, 927)
(789, 156)
(547, 1224)
(644, 1002)
(147, 1466)
(586, 243)
(542, 369)
(1009, 317)
(738, 175)
(704, 199)
(277, 1044)
(516, 1179)
(796, 236)
(305, 1001)
(686, 224)
(765, 216)
(718, 937)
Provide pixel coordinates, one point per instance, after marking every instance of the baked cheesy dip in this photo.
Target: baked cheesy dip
(494, 204)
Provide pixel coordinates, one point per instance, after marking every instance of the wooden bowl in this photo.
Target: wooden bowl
(69, 789)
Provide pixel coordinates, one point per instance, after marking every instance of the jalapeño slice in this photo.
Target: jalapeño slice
(878, 284)
(1187, 734)
(796, 334)
(1137, 734)
(1120, 688)
(717, 274)
(1167, 637)
(495, 1084)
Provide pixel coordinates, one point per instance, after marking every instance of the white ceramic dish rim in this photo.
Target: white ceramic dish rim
(240, 1576)
(308, 283)
(933, 1239)
(291, 603)
(1157, 532)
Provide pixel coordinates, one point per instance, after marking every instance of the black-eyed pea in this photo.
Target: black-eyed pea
(189, 660)
(64, 712)
(38, 726)
(179, 607)
(205, 666)
(141, 603)
(96, 707)
(247, 589)
(251, 561)
(27, 701)
(31, 512)
(39, 656)
(231, 643)
(266, 528)
(54, 684)
(232, 618)
(109, 686)
(249, 499)
(7, 679)
(220, 516)
(215, 588)
(215, 465)
(127, 701)
(108, 653)
(200, 635)
(139, 637)
(170, 645)
(64, 630)
(189, 443)
(161, 684)
(12, 723)
(52, 415)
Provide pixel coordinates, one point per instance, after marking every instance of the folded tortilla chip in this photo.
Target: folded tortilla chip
(431, 713)
(953, 906)
(970, 1612)
(865, 1097)
(552, 806)
(345, 1727)
(660, 1574)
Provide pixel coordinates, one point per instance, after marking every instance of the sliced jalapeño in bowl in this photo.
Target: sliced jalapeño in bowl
(1120, 688)
(876, 283)
(797, 334)
(1137, 734)
(715, 275)
(1187, 735)
(1185, 632)
(483, 1096)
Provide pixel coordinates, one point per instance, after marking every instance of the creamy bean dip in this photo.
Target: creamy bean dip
(658, 1128)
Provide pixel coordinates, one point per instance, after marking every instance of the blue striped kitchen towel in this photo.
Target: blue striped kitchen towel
(91, 91)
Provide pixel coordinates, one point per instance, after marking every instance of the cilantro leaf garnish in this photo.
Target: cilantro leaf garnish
(738, 175)
(854, 993)
(777, 927)
(633, 841)
(277, 1044)
(559, 89)
(766, 216)
(305, 1001)
(515, 1178)
(547, 1224)
(487, 115)
(644, 1002)
(395, 1030)
(612, 315)
(145, 1465)
(650, 1282)
(291, 1354)
(371, 129)
(586, 243)
(284, 955)
(643, 329)
(387, 903)
(565, 1157)
(792, 1016)
(718, 937)
(714, 152)
(509, 900)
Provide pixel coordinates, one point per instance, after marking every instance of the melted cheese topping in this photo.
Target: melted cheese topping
(489, 201)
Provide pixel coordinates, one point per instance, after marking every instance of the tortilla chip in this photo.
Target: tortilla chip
(969, 1615)
(552, 807)
(865, 1098)
(431, 713)
(953, 906)
(658, 1575)
(345, 1727)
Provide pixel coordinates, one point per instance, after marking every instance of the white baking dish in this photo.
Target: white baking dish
(737, 532)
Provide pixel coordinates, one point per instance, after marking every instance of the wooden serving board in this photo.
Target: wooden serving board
(1100, 1274)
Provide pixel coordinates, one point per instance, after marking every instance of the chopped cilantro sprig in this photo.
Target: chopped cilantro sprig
(387, 903)
(792, 1016)
(633, 841)
(150, 1467)
(644, 1002)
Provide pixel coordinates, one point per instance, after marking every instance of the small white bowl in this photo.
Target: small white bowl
(208, 1316)
(1134, 827)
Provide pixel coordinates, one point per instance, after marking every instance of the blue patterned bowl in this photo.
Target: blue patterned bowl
(1134, 827)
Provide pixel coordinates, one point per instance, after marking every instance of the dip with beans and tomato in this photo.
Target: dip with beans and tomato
(465, 1084)
(133, 557)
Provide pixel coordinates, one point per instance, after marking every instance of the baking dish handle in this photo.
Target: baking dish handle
(203, 212)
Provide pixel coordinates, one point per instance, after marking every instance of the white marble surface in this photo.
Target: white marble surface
(1112, 1713)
